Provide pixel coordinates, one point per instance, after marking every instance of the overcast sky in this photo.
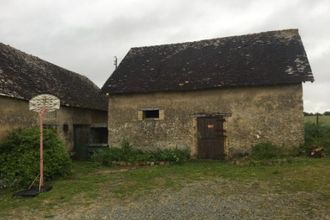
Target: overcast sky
(85, 35)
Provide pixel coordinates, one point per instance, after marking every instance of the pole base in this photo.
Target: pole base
(34, 191)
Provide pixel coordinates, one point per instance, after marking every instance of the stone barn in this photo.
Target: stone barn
(216, 97)
(81, 121)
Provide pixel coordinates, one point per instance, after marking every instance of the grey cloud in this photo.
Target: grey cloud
(84, 35)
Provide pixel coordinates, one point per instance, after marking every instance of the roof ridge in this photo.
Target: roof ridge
(295, 30)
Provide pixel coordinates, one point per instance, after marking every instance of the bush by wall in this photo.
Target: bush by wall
(126, 152)
(19, 157)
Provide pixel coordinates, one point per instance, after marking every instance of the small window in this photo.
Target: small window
(65, 128)
(151, 114)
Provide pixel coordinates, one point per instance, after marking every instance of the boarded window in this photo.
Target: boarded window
(99, 135)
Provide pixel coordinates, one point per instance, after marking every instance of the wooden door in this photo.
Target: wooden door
(211, 138)
(81, 141)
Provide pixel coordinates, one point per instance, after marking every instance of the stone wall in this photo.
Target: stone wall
(258, 114)
(14, 113)
(74, 116)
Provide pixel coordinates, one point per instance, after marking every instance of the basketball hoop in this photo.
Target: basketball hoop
(42, 104)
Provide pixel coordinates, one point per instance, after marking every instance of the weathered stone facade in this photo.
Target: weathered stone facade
(255, 114)
(14, 113)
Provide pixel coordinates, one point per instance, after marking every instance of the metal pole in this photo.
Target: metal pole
(115, 61)
(41, 180)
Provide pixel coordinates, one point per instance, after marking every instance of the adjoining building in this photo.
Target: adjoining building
(216, 97)
(81, 120)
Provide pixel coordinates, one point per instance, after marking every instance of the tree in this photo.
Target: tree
(326, 113)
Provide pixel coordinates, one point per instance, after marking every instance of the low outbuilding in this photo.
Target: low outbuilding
(81, 120)
(216, 97)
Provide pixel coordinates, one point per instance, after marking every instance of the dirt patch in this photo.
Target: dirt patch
(214, 199)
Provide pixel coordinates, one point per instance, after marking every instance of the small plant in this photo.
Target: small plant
(19, 157)
(265, 151)
(126, 148)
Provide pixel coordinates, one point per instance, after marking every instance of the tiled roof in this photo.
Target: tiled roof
(267, 58)
(24, 76)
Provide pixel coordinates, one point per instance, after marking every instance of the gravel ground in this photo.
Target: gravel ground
(216, 199)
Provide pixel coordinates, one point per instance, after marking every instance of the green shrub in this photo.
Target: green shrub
(316, 136)
(131, 154)
(126, 148)
(104, 157)
(265, 151)
(145, 156)
(172, 155)
(128, 153)
(19, 157)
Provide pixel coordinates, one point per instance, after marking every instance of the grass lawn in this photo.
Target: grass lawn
(323, 119)
(89, 183)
